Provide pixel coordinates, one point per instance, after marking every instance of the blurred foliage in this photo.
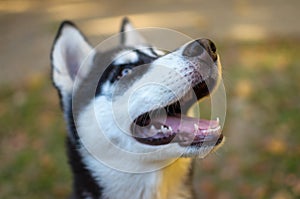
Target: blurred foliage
(33, 161)
(259, 159)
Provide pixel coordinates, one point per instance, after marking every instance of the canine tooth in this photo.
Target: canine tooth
(153, 130)
(152, 127)
(196, 127)
(218, 120)
(164, 129)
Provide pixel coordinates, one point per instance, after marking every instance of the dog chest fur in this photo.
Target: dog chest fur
(167, 183)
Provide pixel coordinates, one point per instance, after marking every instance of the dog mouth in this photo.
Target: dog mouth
(169, 125)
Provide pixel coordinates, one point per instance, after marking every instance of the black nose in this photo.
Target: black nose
(198, 46)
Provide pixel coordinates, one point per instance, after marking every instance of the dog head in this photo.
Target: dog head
(134, 97)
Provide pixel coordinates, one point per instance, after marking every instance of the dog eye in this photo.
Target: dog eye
(125, 71)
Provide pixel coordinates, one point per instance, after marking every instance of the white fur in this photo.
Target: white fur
(107, 89)
(158, 52)
(125, 57)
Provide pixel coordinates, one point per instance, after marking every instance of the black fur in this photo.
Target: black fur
(124, 22)
(113, 71)
(84, 184)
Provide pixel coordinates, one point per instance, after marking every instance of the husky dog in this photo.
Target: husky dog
(128, 132)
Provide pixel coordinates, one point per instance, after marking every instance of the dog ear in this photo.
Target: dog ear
(129, 35)
(69, 50)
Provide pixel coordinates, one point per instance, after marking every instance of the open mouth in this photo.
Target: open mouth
(169, 125)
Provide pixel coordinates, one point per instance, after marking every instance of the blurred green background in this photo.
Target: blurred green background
(259, 45)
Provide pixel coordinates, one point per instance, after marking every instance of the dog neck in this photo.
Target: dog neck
(174, 180)
(94, 180)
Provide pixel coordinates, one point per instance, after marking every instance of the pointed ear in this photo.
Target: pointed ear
(129, 35)
(69, 50)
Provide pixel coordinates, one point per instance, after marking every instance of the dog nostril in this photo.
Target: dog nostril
(210, 48)
(197, 47)
(193, 49)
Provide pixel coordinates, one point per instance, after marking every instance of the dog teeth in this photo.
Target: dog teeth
(218, 120)
(196, 127)
(211, 130)
(153, 130)
(165, 129)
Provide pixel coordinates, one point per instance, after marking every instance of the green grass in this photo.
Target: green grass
(33, 161)
(259, 160)
(260, 157)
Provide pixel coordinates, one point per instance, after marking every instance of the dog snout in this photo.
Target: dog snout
(197, 47)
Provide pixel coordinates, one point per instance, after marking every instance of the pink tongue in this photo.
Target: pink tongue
(185, 124)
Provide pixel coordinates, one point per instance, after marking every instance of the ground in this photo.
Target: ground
(259, 45)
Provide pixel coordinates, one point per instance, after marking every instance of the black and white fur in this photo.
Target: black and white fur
(95, 127)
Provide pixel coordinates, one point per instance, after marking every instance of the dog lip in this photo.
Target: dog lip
(216, 142)
(179, 129)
